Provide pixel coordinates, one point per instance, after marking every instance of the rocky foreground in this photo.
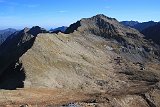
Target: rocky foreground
(97, 62)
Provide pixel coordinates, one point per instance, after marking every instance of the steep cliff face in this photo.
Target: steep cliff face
(96, 55)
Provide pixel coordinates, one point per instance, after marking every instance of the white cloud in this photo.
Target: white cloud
(107, 7)
(62, 11)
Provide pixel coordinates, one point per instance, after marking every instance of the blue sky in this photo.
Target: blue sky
(54, 13)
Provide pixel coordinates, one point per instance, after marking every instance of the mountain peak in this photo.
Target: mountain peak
(98, 20)
(102, 16)
(101, 25)
(35, 30)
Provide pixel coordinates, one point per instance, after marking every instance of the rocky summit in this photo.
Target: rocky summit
(97, 62)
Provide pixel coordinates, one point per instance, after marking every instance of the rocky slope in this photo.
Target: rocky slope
(110, 62)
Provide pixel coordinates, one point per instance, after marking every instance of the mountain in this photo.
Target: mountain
(144, 25)
(149, 29)
(153, 33)
(130, 23)
(111, 64)
(11, 49)
(59, 29)
(7, 30)
(5, 33)
(139, 26)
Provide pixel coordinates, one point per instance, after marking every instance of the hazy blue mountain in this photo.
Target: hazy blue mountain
(59, 29)
(5, 33)
(144, 25)
(7, 30)
(130, 23)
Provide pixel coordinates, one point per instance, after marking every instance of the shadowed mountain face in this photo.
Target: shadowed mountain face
(139, 26)
(144, 25)
(149, 29)
(13, 77)
(96, 54)
(153, 33)
(15, 46)
(6, 33)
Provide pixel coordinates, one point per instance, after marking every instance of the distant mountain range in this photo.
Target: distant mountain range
(138, 25)
(151, 29)
(59, 29)
(130, 23)
(5, 33)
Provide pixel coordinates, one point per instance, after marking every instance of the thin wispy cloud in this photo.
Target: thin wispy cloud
(62, 11)
(54, 11)
(107, 7)
(8, 2)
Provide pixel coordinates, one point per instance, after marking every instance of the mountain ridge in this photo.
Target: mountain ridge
(6, 33)
(22, 38)
(58, 29)
(95, 55)
(140, 26)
